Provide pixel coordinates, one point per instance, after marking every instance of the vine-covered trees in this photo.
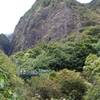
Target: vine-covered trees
(67, 69)
(10, 83)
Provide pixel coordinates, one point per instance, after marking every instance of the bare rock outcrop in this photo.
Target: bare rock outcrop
(51, 20)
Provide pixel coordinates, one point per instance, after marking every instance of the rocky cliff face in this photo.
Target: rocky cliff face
(4, 44)
(52, 20)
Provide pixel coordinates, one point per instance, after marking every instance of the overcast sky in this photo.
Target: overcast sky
(12, 10)
(84, 1)
(10, 13)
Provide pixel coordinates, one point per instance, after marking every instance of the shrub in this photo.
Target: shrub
(55, 56)
(10, 83)
(46, 3)
(93, 93)
(92, 67)
(92, 73)
(63, 84)
(72, 85)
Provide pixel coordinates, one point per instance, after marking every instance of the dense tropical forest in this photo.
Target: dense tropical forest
(53, 54)
(69, 68)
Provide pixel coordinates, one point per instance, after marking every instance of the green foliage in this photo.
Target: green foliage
(73, 85)
(55, 56)
(93, 93)
(46, 3)
(98, 47)
(79, 52)
(10, 84)
(93, 30)
(92, 74)
(74, 53)
(92, 67)
(63, 84)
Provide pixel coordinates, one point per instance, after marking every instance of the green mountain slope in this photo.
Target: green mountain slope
(11, 86)
(55, 53)
(52, 20)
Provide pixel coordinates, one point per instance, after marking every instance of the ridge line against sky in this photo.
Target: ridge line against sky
(12, 10)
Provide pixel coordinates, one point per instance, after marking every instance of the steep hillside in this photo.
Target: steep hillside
(4, 43)
(10, 83)
(52, 60)
(53, 20)
(55, 53)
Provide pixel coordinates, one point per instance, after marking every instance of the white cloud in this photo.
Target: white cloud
(84, 1)
(10, 13)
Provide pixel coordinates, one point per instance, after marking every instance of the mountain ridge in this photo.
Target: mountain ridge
(52, 20)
